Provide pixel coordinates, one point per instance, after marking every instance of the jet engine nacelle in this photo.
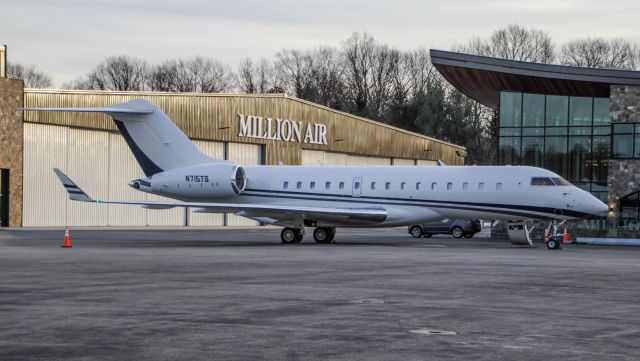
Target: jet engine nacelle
(217, 180)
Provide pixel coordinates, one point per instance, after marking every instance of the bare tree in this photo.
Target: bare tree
(358, 51)
(200, 75)
(600, 53)
(328, 76)
(30, 75)
(514, 42)
(119, 73)
(295, 71)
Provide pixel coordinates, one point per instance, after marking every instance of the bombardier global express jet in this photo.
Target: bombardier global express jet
(326, 197)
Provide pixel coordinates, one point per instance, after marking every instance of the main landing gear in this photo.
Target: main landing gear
(322, 235)
(291, 235)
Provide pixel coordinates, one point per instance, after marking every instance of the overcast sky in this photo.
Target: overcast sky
(67, 38)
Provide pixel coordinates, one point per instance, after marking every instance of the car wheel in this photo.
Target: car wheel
(468, 235)
(416, 232)
(457, 232)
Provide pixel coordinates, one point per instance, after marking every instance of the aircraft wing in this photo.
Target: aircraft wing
(278, 213)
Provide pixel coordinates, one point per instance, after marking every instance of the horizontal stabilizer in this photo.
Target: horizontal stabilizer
(108, 110)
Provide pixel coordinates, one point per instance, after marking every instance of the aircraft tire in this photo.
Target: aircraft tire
(552, 244)
(290, 235)
(457, 232)
(416, 232)
(323, 235)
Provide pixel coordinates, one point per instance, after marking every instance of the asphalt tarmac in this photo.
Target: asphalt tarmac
(238, 294)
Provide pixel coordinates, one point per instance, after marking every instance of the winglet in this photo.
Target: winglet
(75, 193)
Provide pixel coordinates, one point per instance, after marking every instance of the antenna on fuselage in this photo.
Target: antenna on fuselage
(440, 163)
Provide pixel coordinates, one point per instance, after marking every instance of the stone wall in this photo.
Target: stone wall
(11, 143)
(624, 175)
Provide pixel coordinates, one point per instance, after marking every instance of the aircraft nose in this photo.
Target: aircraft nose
(596, 206)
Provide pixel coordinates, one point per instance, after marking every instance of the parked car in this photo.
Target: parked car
(458, 228)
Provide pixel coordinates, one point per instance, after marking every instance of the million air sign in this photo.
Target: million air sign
(251, 126)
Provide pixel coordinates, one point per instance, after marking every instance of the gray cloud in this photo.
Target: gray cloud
(68, 38)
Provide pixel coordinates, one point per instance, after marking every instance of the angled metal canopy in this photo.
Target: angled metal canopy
(482, 78)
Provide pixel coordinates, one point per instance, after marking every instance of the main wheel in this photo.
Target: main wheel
(552, 244)
(290, 235)
(457, 232)
(323, 235)
(416, 232)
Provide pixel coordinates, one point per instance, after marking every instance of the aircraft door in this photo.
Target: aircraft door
(356, 188)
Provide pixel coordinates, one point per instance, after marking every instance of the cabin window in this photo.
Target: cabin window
(418, 186)
(327, 185)
(373, 185)
(465, 186)
(341, 185)
(285, 185)
(449, 186)
(312, 185)
(481, 186)
(299, 185)
(434, 186)
(402, 185)
(498, 186)
(387, 185)
(356, 185)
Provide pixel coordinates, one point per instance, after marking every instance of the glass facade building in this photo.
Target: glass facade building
(565, 134)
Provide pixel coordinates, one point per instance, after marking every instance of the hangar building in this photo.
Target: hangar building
(581, 123)
(248, 129)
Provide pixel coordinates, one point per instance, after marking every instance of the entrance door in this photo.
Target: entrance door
(357, 187)
(4, 198)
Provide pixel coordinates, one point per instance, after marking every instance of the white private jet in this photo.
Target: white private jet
(326, 197)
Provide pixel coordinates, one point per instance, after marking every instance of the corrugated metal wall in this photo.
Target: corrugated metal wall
(318, 157)
(400, 161)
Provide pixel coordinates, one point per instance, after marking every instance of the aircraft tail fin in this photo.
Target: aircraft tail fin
(157, 144)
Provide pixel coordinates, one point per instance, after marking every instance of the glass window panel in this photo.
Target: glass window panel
(557, 110)
(600, 111)
(601, 130)
(532, 151)
(580, 131)
(637, 146)
(532, 131)
(555, 155)
(557, 131)
(510, 108)
(532, 110)
(600, 160)
(622, 128)
(580, 159)
(510, 131)
(509, 150)
(623, 146)
(580, 111)
(637, 128)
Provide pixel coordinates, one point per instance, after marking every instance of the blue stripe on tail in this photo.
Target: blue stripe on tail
(148, 166)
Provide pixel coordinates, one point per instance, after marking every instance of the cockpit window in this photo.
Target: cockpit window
(541, 181)
(561, 181)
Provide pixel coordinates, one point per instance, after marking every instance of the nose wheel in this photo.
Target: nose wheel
(291, 235)
(324, 235)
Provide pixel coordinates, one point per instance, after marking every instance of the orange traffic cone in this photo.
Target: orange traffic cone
(67, 239)
(565, 236)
